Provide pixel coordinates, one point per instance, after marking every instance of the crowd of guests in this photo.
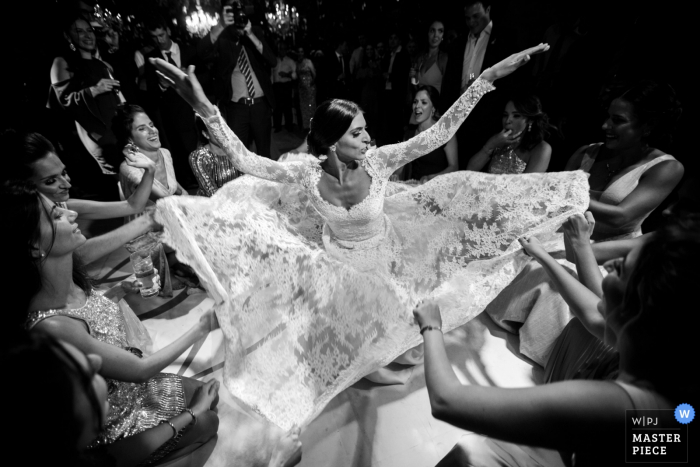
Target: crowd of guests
(128, 140)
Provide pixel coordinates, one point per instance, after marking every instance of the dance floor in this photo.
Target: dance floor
(366, 425)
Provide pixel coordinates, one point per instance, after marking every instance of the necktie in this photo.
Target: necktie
(170, 59)
(245, 69)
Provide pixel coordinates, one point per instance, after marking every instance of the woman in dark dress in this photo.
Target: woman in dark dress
(443, 159)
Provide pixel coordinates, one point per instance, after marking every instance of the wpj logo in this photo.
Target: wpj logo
(658, 436)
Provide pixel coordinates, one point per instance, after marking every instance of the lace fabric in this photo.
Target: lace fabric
(312, 296)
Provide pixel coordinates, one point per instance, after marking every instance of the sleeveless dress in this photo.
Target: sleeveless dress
(212, 171)
(432, 76)
(133, 407)
(532, 308)
(506, 161)
(617, 191)
(311, 296)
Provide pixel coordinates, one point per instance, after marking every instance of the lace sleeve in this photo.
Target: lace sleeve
(397, 155)
(250, 163)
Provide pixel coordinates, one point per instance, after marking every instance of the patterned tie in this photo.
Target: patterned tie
(245, 69)
(170, 59)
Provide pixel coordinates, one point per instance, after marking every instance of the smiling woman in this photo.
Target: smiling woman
(139, 137)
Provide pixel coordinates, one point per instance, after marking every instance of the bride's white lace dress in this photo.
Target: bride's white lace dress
(312, 296)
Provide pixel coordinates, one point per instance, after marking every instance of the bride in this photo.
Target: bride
(315, 263)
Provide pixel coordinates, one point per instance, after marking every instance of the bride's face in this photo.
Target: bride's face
(355, 142)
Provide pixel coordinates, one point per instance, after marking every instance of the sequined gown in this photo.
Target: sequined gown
(506, 161)
(133, 407)
(311, 296)
(307, 91)
(212, 171)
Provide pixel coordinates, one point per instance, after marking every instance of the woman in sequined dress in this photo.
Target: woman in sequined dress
(307, 87)
(210, 165)
(520, 147)
(151, 414)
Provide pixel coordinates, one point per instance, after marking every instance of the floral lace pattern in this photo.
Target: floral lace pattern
(312, 296)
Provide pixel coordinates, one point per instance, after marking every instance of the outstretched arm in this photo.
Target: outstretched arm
(248, 162)
(582, 302)
(397, 155)
(565, 415)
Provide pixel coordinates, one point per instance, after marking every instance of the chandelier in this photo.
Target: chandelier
(199, 22)
(285, 20)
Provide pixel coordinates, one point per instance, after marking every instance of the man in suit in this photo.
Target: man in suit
(241, 76)
(483, 46)
(394, 113)
(171, 114)
(334, 76)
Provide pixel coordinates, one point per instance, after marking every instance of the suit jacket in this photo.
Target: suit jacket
(330, 87)
(224, 55)
(155, 93)
(499, 47)
(399, 72)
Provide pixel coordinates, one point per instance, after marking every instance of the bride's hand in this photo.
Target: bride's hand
(512, 63)
(186, 85)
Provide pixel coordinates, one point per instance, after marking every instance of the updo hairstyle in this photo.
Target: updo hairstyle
(331, 120)
(656, 106)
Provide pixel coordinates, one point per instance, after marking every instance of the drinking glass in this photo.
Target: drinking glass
(145, 272)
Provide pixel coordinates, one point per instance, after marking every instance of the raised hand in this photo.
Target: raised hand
(138, 160)
(186, 85)
(579, 228)
(502, 138)
(512, 63)
(427, 313)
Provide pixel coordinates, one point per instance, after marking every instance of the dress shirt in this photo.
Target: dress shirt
(240, 89)
(474, 55)
(284, 64)
(342, 62)
(391, 66)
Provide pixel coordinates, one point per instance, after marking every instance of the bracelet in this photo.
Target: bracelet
(430, 328)
(194, 418)
(171, 426)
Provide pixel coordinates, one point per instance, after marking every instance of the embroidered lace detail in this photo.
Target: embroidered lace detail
(312, 296)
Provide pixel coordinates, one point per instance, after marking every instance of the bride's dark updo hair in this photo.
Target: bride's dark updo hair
(655, 104)
(331, 120)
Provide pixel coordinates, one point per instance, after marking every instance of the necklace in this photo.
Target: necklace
(611, 172)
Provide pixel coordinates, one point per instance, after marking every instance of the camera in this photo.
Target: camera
(240, 19)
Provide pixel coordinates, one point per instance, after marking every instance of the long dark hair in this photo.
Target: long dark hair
(434, 96)
(122, 122)
(530, 107)
(655, 105)
(659, 298)
(49, 378)
(331, 120)
(24, 207)
(25, 149)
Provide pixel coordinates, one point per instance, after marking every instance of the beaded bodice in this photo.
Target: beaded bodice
(103, 317)
(506, 161)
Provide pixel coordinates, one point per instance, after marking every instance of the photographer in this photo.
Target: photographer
(242, 63)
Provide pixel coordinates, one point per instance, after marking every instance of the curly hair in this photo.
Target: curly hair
(656, 106)
(331, 120)
(530, 107)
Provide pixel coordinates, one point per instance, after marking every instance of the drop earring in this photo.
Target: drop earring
(72, 47)
(529, 127)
